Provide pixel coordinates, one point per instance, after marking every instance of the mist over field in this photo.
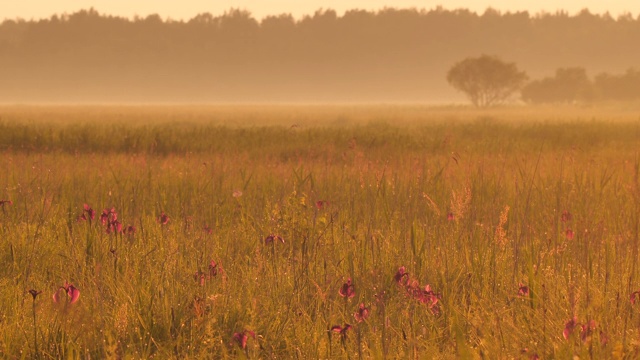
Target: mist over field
(393, 55)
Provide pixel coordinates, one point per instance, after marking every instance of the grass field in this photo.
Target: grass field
(282, 232)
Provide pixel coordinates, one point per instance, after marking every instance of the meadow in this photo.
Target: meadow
(134, 232)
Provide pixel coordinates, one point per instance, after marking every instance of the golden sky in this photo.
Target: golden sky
(185, 9)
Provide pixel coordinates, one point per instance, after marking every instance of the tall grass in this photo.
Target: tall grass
(470, 203)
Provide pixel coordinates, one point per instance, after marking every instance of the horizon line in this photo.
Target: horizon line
(324, 10)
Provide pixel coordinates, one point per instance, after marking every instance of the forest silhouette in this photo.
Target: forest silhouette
(392, 55)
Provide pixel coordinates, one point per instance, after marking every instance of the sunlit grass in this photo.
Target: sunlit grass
(470, 203)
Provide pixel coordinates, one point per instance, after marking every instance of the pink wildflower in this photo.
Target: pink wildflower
(347, 290)
(108, 216)
(401, 275)
(362, 313)
(568, 327)
(163, 219)
(342, 330)
(430, 298)
(213, 268)
(321, 204)
(272, 238)
(109, 219)
(241, 338)
(130, 230)
(88, 213)
(72, 292)
(569, 234)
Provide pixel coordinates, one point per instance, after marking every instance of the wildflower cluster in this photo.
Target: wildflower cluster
(108, 219)
(348, 291)
(423, 294)
(586, 330)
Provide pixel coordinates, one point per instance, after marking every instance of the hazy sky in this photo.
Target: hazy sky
(185, 9)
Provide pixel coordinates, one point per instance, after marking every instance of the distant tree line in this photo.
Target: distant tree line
(392, 54)
(487, 80)
(570, 85)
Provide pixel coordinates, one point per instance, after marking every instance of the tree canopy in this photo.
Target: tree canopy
(486, 80)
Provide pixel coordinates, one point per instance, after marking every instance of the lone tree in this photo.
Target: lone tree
(486, 80)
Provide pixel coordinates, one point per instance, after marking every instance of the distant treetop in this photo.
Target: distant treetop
(486, 80)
